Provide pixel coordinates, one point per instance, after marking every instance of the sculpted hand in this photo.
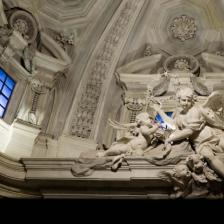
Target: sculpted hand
(167, 145)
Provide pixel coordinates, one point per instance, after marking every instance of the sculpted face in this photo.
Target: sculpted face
(182, 171)
(143, 119)
(185, 97)
(196, 163)
(185, 103)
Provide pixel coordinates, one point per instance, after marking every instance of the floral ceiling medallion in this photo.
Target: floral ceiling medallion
(183, 28)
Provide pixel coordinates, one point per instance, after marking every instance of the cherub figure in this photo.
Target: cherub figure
(136, 140)
(193, 178)
(180, 178)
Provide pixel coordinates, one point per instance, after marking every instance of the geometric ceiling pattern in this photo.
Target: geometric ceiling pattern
(203, 14)
(67, 10)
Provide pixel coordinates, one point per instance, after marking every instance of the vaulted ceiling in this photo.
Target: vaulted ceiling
(177, 27)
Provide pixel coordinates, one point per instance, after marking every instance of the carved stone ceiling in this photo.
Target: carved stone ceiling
(175, 27)
(169, 26)
(67, 10)
(186, 26)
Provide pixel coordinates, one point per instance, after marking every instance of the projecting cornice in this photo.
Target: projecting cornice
(52, 178)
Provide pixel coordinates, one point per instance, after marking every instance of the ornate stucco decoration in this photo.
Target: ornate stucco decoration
(181, 63)
(83, 120)
(134, 105)
(37, 88)
(183, 28)
(64, 40)
(148, 51)
(24, 23)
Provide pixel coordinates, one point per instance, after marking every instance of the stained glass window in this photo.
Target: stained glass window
(159, 119)
(7, 85)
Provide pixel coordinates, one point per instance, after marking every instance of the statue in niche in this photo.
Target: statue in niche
(202, 125)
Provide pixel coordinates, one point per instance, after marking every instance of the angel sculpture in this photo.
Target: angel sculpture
(202, 125)
(143, 133)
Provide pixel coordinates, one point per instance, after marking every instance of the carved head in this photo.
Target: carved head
(143, 118)
(196, 163)
(186, 98)
(182, 171)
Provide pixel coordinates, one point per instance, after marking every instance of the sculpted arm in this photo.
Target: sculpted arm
(148, 131)
(180, 135)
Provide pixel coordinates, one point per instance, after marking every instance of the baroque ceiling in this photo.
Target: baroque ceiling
(177, 27)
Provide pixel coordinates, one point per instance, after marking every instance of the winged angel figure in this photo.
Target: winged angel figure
(202, 125)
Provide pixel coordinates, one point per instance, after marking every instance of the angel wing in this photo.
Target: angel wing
(120, 126)
(211, 107)
(215, 100)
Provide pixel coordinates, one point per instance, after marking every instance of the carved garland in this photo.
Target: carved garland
(84, 117)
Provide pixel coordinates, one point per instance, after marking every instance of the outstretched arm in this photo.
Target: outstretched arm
(180, 135)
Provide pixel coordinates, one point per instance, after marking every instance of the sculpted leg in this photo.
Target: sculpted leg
(214, 162)
(115, 150)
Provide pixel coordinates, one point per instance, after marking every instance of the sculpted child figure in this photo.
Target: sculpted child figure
(199, 124)
(136, 141)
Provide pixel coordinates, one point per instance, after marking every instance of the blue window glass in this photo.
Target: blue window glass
(2, 75)
(6, 91)
(3, 100)
(1, 111)
(7, 85)
(159, 119)
(10, 83)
